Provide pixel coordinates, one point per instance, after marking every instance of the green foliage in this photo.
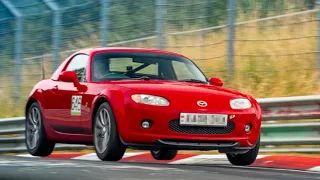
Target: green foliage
(4, 13)
(37, 32)
(128, 19)
(30, 7)
(131, 19)
(265, 8)
(71, 3)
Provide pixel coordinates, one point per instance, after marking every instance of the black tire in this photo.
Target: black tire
(164, 154)
(43, 147)
(245, 159)
(114, 148)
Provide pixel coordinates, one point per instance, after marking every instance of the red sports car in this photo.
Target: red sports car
(118, 98)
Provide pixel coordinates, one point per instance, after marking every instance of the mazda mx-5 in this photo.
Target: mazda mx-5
(148, 99)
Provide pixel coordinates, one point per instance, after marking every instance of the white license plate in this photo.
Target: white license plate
(196, 119)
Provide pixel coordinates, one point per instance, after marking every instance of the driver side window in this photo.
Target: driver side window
(79, 65)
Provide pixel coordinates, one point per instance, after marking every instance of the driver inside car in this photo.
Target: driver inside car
(100, 67)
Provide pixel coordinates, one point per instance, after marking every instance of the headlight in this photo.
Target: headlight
(150, 100)
(240, 104)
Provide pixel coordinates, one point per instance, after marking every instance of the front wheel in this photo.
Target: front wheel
(164, 154)
(107, 142)
(36, 139)
(245, 159)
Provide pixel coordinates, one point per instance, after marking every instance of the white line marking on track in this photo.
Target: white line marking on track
(27, 155)
(202, 159)
(94, 157)
(317, 169)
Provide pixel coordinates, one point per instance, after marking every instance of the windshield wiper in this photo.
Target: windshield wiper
(142, 78)
(193, 80)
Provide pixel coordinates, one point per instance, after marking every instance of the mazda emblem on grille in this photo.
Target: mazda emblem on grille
(202, 103)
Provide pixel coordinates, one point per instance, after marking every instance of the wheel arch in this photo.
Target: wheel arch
(36, 95)
(29, 103)
(98, 102)
(116, 100)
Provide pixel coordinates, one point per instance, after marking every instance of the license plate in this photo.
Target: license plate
(194, 119)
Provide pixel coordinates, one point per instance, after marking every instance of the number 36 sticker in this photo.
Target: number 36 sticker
(76, 105)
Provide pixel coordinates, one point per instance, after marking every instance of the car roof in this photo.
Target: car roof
(125, 49)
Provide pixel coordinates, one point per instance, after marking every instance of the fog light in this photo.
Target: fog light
(247, 128)
(146, 124)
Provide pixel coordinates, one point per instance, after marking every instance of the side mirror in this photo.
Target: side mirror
(216, 81)
(68, 76)
(71, 76)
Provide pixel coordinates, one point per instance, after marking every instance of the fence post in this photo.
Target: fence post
(202, 17)
(318, 41)
(231, 31)
(104, 22)
(57, 27)
(56, 33)
(160, 23)
(18, 46)
(18, 55)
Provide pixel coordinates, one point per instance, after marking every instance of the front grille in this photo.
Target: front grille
(174, 126)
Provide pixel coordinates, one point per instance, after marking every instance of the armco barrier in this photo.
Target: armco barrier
(273, 134)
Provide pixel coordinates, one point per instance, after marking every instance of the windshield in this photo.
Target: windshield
(138, 65)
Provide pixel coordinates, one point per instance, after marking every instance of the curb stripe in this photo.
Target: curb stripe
(94, 157)
(147, 158)
(64, 156)
(220, 159)
(288, 162)
(311, 164)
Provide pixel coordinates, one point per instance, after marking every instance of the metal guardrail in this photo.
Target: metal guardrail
(290, 108)
(273, 133)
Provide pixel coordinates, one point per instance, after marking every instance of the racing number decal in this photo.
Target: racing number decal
(76, 105)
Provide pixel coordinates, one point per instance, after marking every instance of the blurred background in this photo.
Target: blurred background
(267, 48)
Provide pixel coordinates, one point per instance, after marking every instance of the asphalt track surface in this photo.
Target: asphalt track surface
(23, 168)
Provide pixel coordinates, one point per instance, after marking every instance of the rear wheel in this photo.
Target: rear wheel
(245, 159)
(164, 154)
(35, 136)
(107, 142)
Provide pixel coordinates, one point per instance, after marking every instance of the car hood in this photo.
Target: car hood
(184, 92)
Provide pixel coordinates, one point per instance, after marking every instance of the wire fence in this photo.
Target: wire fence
(265, 48)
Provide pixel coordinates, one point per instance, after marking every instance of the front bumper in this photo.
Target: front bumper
(166, 132)
(222, 147)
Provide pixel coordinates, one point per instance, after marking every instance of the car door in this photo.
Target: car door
(67, 100)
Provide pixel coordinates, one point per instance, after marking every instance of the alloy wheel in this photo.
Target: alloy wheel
(102, 130)
(33, 127)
